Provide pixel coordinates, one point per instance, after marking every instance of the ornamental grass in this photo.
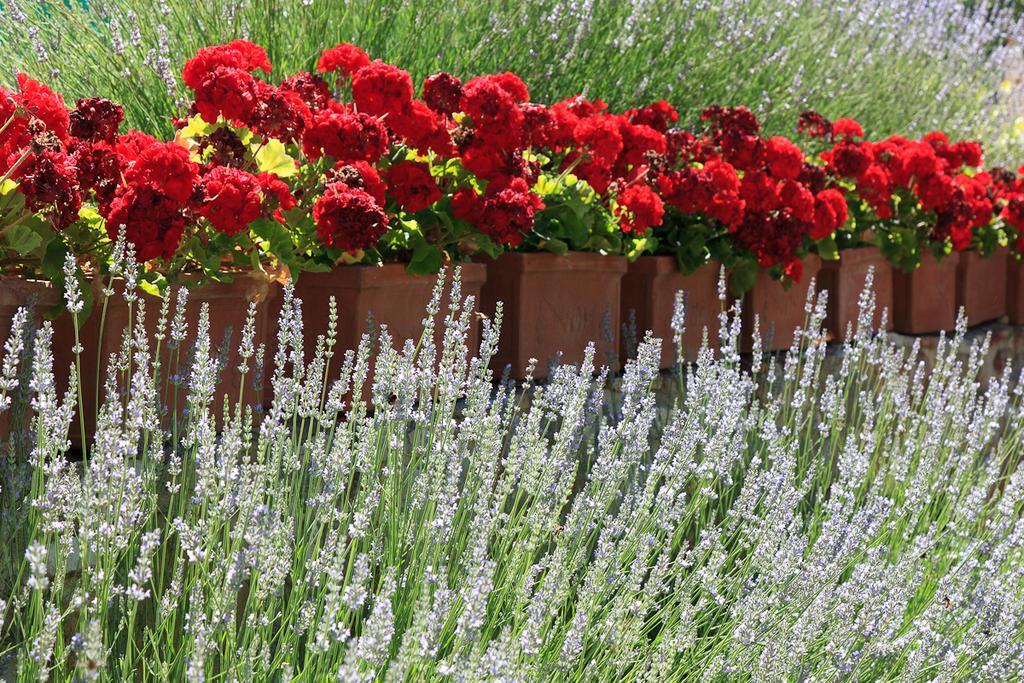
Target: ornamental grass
(792, 517)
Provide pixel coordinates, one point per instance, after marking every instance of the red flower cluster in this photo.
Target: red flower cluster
(349, 218)
(929, 171)
(477, 149)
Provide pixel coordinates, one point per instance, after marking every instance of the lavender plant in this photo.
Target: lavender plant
(956, 66)
(395, 515)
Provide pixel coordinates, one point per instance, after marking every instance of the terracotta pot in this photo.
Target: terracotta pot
(228, 305)
(38, 297)
(844, 279)
(780, 311)
(554, 304)
(648, 294)
(981, 285)
(924, 301)
(387, 294)
(1015, 290)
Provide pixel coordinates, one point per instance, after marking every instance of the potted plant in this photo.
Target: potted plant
(923, 211)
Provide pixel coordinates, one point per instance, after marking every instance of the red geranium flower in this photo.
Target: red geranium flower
(422, 129)
(830, 213)
(96, 119)
(411, 185)
(278, 113)
(847, 128)
(785, 160)
(798, 200)
(639, 208)
(227, 92)
(505, 212)
(380, 89)
(349, 218)
(658, 115)
(344, 135)
(50, 185)
(238, 54)
(363, 176)
(153, 222)
(274, 188)
(442, 92)
(166, 168)
(310, 87)
(345, 58)
(130, 145)
(231, 199)
(496, 118)
(34, 100)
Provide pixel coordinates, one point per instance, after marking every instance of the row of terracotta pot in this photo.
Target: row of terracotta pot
(554, 305)
(924, 301)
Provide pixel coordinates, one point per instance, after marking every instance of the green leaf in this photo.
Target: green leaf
(28, 237)
(272, 158)
(153, 283)
(828, 249)
(276, 238)
(426, 260)
(555, 246)
(742, 276)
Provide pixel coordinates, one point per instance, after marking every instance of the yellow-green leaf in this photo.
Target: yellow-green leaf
(272, 158)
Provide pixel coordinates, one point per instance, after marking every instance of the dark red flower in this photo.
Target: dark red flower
(95, 119)
(380, 89)
(99, 169)
(153, 222)
(310, 87)
(50, 185)
(344, 58)
(1013, 212)
(507, 211)
(411, 185)
(239, 54)
(231, 199)
(849, 159)
(349, 218)
(814, 124)
(442, 92)
(361, 175)
(773, 238)
(164, 167)
(278, 113)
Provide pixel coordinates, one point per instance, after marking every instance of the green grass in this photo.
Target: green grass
(897, 66)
